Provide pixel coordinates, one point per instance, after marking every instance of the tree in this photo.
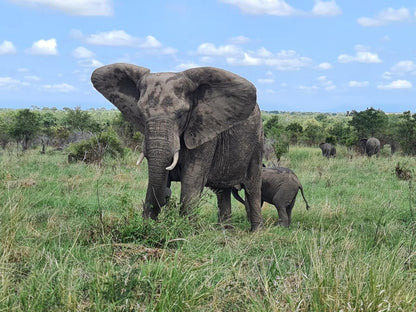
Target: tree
(6, 120)
(369, 123)
(294, 131)
(47, 122)
(407, 133)
(274, 131)
(25, 126)
(79, 120)
(314, 132)
(342, 133)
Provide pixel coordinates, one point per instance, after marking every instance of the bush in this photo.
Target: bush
(94, 149)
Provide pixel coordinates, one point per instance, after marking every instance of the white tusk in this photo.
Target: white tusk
(174, 162)
(139, 161)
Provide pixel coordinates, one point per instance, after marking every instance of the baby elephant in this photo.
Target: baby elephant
(279, 187)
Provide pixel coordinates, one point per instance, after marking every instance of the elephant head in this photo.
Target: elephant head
(174, 111)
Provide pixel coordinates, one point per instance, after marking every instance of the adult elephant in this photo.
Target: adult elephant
(370, 146)
(205, 121)
(328, 150)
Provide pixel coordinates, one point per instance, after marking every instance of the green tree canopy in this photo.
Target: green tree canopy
(369, 123)
(77, 119)
(25, 126)
(407, 133)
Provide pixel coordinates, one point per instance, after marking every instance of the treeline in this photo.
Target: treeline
(106, 132)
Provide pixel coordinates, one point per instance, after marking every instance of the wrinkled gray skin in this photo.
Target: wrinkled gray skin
(209, 115)
(328, 150)
(279, 187)
(370, 146)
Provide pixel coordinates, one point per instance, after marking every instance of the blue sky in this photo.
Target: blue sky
(310, 55)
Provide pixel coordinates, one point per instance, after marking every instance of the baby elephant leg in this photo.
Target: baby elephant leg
(289, 211)
(281, 211)
(284, 207)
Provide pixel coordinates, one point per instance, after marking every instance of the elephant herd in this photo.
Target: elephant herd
(370, 146)
(203, 128)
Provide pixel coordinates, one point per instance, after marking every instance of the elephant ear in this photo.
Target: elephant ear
(221, 100)
(119, 84)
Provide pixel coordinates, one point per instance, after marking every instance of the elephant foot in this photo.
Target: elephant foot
(226, 226)
(256, 226)
(282, 223)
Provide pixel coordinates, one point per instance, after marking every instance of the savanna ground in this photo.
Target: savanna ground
(72, 239)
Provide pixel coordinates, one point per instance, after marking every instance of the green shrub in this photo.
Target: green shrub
(94, 149)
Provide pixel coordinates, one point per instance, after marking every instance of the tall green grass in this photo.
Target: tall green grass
(72, 239)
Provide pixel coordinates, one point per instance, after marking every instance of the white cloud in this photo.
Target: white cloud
(326, 8)
(397, 84)
(7, 47)
(308, 88)
(82, 53)
(358, 84)
(32, 78)
(266, 7)
(90, 63)
(185, 66)
(265, 81)
(387, 75)
(324, 66)
(61, 88)
(44, 47)
(385, 17)
(110, 38)
(284, 60)
(268, 79)
(404, 67)
(210, 49)
(326, 84)
(10, 83)
(362, 56)
(281, 8)
(247, 60)
(73, 7)
(239, 40)
(119, 38)
(150, 43)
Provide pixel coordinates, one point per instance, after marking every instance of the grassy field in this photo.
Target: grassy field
(72, 239)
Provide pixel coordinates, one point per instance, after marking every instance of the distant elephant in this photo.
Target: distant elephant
(370, 146)
(279, 187)
(328, 150)
(205, 121)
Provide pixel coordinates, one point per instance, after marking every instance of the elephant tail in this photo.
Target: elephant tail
(237, 196)
(303, 195)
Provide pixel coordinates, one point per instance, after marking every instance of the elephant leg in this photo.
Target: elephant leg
(281, 202)
(289, 210)
(224, 205)
(191, 190)
(282, 212)
(194, 173)
(253, 207)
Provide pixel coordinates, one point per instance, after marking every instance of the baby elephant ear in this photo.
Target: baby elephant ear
(119, 84)
(221, 99)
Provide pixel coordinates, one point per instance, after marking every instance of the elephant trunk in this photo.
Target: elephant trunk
(161, 144)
